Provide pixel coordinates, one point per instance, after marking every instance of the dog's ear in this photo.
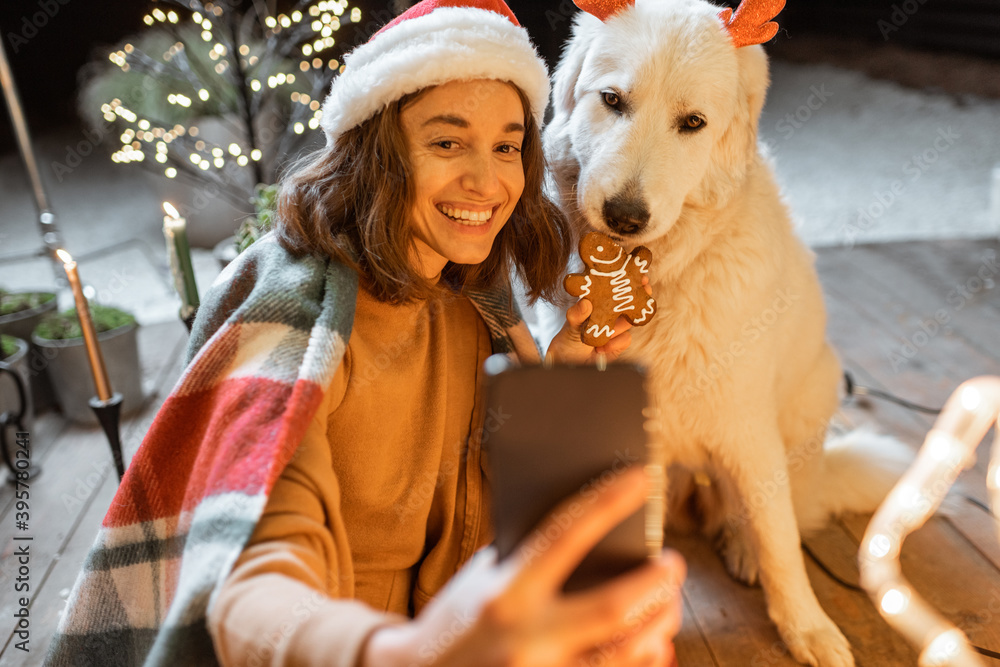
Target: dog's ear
(557, 140)
(571, 63)
(736, 148)
(754, 80)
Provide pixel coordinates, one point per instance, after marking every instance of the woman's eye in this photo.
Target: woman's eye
(693, 122)
(611, 99)
(444, 144)
(508, 149)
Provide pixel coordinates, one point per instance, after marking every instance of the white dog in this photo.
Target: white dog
(654, 142)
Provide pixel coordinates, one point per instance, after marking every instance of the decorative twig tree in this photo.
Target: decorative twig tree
(262, 74)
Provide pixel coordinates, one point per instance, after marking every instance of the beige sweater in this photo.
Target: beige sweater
(381, 504)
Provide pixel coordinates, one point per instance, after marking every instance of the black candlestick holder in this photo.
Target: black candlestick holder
(17, 471)
(109, 415)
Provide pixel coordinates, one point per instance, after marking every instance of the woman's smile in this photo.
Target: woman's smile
(468, 216)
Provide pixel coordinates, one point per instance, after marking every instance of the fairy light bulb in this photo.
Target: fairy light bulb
(971, 398)
(942, 649)
(880, 546)
(949, 447)
(895, 601)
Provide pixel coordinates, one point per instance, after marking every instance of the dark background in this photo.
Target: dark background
(47, 52)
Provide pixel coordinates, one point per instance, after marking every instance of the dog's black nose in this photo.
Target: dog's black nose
(626, 214)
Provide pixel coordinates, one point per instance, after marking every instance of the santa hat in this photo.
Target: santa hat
(434, 42)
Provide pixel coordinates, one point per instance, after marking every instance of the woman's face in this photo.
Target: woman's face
(464, 140)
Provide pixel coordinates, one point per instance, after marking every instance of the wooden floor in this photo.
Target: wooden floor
(878, 297)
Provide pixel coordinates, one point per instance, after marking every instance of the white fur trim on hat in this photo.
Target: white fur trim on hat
(449, 44)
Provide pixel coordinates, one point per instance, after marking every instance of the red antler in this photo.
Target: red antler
(752, 22)
(603, 9)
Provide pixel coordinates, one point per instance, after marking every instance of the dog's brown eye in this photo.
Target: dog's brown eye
(611, 99)
(694, 122)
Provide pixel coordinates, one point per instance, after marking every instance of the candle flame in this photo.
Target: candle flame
(64, 256)
(170, 210)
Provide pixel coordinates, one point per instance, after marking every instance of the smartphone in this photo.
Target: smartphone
(561, 430)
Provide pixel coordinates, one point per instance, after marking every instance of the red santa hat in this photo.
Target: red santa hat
(434, 42)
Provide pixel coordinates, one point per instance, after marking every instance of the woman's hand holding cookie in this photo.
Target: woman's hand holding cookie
(568, 345)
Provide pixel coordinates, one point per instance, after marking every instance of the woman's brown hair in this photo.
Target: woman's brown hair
(350, 201)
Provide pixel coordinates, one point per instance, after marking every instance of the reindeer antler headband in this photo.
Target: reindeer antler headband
(751, 24)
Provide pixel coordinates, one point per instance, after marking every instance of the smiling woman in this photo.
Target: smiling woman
(331, 499)
(411, 180)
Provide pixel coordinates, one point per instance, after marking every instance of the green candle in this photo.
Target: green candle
(175, 231)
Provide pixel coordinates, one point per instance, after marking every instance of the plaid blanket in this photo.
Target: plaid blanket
(265, 345)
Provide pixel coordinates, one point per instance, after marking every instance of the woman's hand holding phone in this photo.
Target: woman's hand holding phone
(514, 612)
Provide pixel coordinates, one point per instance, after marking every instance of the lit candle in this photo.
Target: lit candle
(950, 446)
(87, 326)
(175, 231)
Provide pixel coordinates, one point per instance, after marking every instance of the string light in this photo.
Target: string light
(168, 147)
(949, 447)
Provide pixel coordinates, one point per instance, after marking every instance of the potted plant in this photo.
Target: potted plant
(20, 313)
(14, 355)
(265, 206)
(61, 340)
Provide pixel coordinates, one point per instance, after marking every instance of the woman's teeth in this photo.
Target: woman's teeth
(465, 216)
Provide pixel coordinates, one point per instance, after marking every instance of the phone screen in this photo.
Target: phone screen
(562, 430)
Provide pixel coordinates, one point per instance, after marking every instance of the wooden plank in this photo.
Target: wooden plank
(947, 263)
(955, 579)
(690, 644)
(67, 491)
(955, 278)
(836, 552)
(731, 616)
(50, 425)
(962, 364)
(48, 603)
(938, 365)
(873, 642)
(938, 374)
(48, 428)
(977, 525)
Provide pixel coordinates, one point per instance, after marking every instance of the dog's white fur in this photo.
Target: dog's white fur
(739, 365)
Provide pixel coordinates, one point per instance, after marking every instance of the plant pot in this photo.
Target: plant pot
(69, 370)
(20, 325)
(10, 400)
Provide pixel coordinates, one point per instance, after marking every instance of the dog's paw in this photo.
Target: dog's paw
(739, 554)
(824, 646)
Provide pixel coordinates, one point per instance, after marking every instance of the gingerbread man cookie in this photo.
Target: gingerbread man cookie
(613, 283)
